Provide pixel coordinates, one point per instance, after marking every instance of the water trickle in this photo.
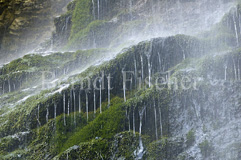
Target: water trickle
(9, 85)
(124, 87)
(109, 78)
(225, 72)
(235, 70)
(159, 59)
(68, 106)
(160, 117)
(39, 124)
(134, 125)
(74, 108)
(155, 120)
(149, 70)
(235, 29)
(135, 72)
(140, 151)
(100, 81)
(94, 103)
(238, 70)
(64, 109)
(93, 11)
(55, 110)
(142, 68)
(87, 105)
(47, 114)
(79, 103)
(130, 4)
(98, 9)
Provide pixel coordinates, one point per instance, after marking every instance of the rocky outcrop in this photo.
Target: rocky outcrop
(26, 23)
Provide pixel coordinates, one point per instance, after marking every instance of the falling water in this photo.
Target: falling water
(39, 124)
(149, 70)
(235, 28)
(238, 71)
(140, 152)
(225, 72)
(79, 103)
(9, 85)
(55, 110)
(94, 103)
(130, 3)
(142, 68)
(68, 106)
(160, 114)
(93, 4)
(47, 114)
(87, 105)
(235, 71)
(155, 120)
(128, 118)
(64, 109)
(124, 88)
(100, 81)
(134, 127)
(135, 72)
(109, 90)
(74, 108)
(98, 9)
(159, 59)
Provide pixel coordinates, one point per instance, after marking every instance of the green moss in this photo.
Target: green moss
(105, 125)
(81, 16)
(206, 148)
(83, 36)
(190, 138)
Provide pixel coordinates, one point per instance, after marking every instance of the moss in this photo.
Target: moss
(84, 36)
(206, 148)
(190, 138)
(81, 16)
(105, 125)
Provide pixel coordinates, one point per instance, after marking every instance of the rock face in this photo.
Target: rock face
(26, 23)
(180, 101)
(99, 24)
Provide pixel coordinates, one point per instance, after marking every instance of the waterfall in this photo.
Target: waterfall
(159, 59)
(64, 108)
(93, 11)
(128, 118)
(39, 124)
(109, 90)
(149, 70)
(135, 72)
(124, 88)
(79, 103)
(94, 103)
(74, 108)
(9, 85)
(100, 81)
(130, 3)
(140, 152)
(238, 70)
(68, 106)
(87, 105)
(142, 69)
(55, 110)
(225, 72)
(98, 9)
(134, 127)
(155, 120)
(47, 114)
(235, 71)
(160, 114)
(235, 28)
